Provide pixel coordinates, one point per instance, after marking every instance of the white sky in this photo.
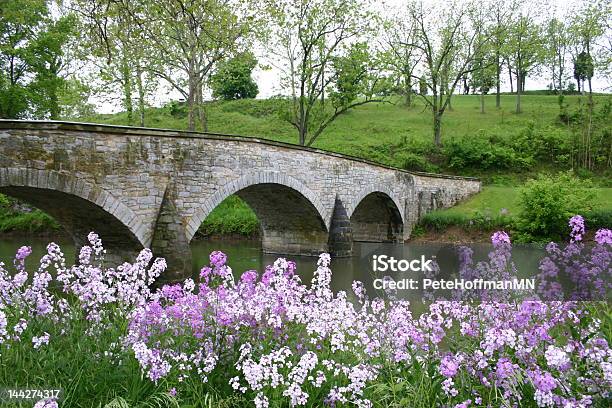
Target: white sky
(268, 81)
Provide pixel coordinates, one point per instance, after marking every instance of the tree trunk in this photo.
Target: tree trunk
(510, 76)
(437, 129)
(437, 119)
(192, 97)
(518, 92)
(54, 109)
(408, 91)
(498, 85)
(141, 95)
(201, 110)
(482, 100)
(127, 90)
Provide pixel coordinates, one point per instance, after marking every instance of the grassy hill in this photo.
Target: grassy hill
(393, 134)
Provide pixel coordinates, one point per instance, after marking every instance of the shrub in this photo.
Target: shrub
(415, 162)
(547, 202)
(481, 153)
(599, 218)
(440, 220)
(548, 144)
(15, 216)
(176, 109)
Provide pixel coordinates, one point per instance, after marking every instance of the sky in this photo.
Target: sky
(268, 80)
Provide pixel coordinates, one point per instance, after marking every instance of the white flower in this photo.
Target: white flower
(40, 340)
(556, 357)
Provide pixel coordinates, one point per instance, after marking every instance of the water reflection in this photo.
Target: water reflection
(245, 255)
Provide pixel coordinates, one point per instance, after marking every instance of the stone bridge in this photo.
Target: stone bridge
(153, 188)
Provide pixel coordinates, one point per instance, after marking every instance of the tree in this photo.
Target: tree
(446, 39)
(186, 39)
(400, 56)
(112, 43)
(49, 64)
(526, 51)
(583, 69)
(486, 61)
(588, 25)
(317, 44)
(31, 59)
(233, 80)
(501, 12)
(558, 41)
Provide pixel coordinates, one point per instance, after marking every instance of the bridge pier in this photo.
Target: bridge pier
(340, 232)
(169, 241)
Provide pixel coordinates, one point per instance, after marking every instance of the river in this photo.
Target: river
(244, 255)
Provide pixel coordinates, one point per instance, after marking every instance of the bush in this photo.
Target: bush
(548, 202)
(441, 220)
(415, 162)
(176, 109)
(598, 219)
(547, 144)
(481, 153)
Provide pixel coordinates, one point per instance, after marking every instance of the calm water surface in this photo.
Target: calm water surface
(246, 255)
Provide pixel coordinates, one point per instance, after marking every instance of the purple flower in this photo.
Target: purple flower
(249, 277)
(23, 253)
(577, 225)
(218, 258)
(46, 403)
(448, 366)
(172, 392)
(205, 272)
(544, 382)
(504, 368)
(499, 238)
(603, 236)
(40, 340)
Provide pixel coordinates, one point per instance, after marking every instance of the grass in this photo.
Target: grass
(232, 216)
(497, 207)
(31, 222)
(378, 131)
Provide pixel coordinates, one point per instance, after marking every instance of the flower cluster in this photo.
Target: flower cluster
(277, 341)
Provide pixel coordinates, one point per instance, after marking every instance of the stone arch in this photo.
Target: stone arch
(79, 206)
(376, 215)
(293, 220)
(358, 198)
